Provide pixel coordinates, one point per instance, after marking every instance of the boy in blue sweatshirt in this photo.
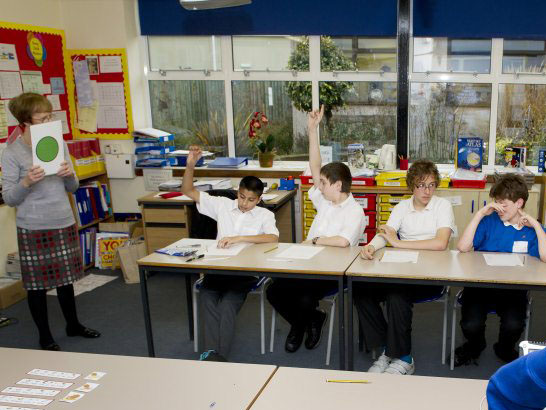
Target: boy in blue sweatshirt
(500, 226)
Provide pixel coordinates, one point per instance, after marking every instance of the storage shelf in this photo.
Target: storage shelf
(96, 221)
(91, 175)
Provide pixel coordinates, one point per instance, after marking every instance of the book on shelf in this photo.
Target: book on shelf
(469, 153)
(87, 245)
(92, 203)
(514, 157)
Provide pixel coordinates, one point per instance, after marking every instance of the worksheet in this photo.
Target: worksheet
(299, 252)
(503, 259)
(400, 256)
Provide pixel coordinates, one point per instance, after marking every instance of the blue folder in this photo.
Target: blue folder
(228, 162)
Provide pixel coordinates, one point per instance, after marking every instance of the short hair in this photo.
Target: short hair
(338, 171)
(25, 105)
(253, 184)
(510, 186)
(419, 171)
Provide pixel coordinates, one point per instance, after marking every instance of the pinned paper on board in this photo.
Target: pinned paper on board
(47, 146)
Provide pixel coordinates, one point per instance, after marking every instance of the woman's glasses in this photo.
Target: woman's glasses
(42, 119)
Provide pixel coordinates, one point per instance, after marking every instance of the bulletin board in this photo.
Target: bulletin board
(101, 101)
(33, 59)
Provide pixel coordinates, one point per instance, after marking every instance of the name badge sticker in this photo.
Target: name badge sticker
(520, 247)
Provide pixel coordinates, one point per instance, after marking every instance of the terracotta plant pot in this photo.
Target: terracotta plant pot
(266, 159)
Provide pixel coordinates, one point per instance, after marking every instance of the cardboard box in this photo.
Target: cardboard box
(11, 291)
(127, 255)
(133, 228)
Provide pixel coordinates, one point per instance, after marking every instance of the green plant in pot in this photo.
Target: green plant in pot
(261, 139)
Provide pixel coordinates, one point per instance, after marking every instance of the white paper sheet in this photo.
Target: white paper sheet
(32, 81)
(44, 383)
(111, 94)
(11, 119)
(61, 116)
(503, 259)
(87, 284)
(31, 392)
(112, 117)
(24, 400)
(267, 197)
(83, 83)
(8, 58)
(213, 250)
(110, 64)
(55, 102)
(47, 146)
(400, 256)
(10, 84)
(299, 252)
(55, 374)
(3, 119)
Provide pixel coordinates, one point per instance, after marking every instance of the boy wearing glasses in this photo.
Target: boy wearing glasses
(424, 221)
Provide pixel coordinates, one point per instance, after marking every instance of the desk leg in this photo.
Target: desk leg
(341, 309)
(293, 216)
(350, 324)
(146, 306)
(189, 301)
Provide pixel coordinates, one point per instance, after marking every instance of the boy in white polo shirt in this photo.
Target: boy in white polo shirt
(239, 220)
(424, 221)
(339, 222)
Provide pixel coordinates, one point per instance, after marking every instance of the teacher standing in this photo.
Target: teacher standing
(48, 240)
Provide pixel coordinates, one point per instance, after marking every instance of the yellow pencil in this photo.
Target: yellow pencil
(272, 249)
(348, 381)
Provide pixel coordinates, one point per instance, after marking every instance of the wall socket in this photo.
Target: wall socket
(116, 149)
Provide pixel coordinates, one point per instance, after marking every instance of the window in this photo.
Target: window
(264, 53)
(185, 53)
(451, 55)
(441, 112)
(367, 116)
(194, 111)
(287, 124)
(521, 119)
(523, 56)
(367, 54)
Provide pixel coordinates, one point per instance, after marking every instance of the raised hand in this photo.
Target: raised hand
(314, 118)
(525, 219)
(194, 155)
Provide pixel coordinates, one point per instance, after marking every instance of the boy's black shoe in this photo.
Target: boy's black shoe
(314, 330)
(508, 354)
(466, 354)
(294, 339)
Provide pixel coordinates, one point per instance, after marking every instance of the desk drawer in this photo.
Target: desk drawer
(165, 215)
(159, 237)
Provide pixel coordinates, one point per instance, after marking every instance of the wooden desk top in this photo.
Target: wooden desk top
(329, 261)
(151, 199)
(141, 383)
(295, 388)
(452, 266)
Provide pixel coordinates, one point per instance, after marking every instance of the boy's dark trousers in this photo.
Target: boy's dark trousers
(393, 333)
(222, 296)
(510, 305)
(296, 300)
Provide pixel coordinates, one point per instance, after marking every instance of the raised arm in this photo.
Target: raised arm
(466, 243)
(187, 182)
(315, 162)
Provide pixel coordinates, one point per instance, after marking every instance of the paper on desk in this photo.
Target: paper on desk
(400, 257)
(502, 259)
(213, 250)
(181, 152)
(179, 198)
(299, 252)
(267, 197)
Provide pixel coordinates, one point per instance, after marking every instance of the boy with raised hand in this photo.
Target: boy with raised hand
(238, 220)
(424, 221)
(339, 222)
(500, 226)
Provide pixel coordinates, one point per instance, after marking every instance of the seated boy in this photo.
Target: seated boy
(424, 221)
(238, 221)
(500, 226)
(339, 222)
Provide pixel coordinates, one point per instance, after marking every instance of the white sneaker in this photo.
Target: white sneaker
(380, 365)
(401, 367)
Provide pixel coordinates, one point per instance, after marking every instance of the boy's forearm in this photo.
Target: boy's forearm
(338, 241)
(187, 181)
(315, 160)
(541, 238)
(434, 244)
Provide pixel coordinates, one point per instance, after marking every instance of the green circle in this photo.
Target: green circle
(47, 149)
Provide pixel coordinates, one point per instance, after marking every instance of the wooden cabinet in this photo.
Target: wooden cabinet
(465, 205)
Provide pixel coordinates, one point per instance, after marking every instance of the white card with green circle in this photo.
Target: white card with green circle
(47, 146)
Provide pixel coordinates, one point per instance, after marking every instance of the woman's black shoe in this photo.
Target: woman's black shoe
(83, 332)
(54, 347)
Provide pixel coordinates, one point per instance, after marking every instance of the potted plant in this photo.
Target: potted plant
(261, 139)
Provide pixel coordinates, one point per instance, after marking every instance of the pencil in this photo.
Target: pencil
(272, 249)
(348, 381)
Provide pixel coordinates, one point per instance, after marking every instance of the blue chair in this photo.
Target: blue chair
(457, 303)
(258, 289)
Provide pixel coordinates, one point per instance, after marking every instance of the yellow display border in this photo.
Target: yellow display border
(72, 98)
(67, 67)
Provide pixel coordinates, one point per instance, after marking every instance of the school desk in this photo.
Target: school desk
(138, 382)
(295, 388)
(442, 268)
(329, 264)
(168, 220)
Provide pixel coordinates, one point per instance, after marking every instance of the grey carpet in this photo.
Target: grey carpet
(116, 310)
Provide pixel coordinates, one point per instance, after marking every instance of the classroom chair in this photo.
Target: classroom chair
(258, 289)
(330, 299)
(457, 305)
